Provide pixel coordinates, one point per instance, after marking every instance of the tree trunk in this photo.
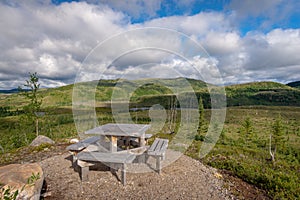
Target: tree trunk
(270, 149)
(37, 127)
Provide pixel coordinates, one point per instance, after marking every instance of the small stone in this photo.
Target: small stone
(41, 139)
(46, 194)
(74, 140)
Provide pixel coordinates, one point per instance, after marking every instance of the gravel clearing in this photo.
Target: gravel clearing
(185, 178)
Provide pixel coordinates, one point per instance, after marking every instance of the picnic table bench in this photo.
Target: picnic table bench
(158, 150)
(113, 160)
(81, 145)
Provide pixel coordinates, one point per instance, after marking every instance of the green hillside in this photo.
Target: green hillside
(147, 92)
(62, 96)
(295, 84)
(256, 93)
(262, 93)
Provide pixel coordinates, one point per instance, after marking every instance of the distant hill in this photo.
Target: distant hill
(256, 93)
(262, 93)
(16, 90)
(295, 84)
(148, 92)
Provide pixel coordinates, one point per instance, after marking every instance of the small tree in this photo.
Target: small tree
(247, 126)
(201, 115)
(172, 114)
(246, 131)
(31, 93)
(276, 137)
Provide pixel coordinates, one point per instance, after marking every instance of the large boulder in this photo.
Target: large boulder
(41, 139)
(26, 178)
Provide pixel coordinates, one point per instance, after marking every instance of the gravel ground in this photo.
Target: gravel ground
(185, 178)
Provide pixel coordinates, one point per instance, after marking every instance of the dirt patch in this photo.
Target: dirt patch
(32, 154)
(242, 189)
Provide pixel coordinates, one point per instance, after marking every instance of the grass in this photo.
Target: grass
(248, 156)
(245, 155)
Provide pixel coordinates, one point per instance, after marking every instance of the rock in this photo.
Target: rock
(46, 194)
(218, 175)
(26, 178)
(41, 139)
(74, 140)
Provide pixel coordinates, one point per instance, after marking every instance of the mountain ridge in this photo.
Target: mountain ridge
(253, 93)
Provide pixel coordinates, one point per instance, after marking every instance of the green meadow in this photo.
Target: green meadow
(243, 147)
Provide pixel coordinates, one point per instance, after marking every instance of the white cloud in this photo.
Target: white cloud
(53, 40)
(220, 43)
(276, 49)
(272, 56)
(133, 8)
(199, 24)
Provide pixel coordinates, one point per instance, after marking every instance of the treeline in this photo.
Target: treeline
(6, 111)
(245, 97)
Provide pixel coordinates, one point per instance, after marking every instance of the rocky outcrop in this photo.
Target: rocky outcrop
(41, 139)
(26, 178)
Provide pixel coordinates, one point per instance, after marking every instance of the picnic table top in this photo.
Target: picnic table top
(132, 130)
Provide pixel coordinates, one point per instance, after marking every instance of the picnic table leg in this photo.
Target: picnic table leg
(112, 168)
(113, 144)
(163, 156)
(84, 172)
(74, 159)
(127, 141)
(123, 174)
(142, 141)
(158, 166)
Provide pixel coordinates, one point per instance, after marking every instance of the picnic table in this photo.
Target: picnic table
(115, 131)
(84, 158)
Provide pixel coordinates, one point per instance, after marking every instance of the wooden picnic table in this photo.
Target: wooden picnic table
(115, 131)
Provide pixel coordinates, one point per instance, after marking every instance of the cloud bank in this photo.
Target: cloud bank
(54, 39)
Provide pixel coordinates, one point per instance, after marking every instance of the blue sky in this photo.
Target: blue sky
(250, 40)
(280, 14)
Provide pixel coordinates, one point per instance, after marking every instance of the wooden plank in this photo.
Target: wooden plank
(133, 130)
(154, 145)
(148, 136)
(83, 144)
(106, 157)
(158, 147)
(163, 147)
(91, 140)
(136, 151)
(77, 147)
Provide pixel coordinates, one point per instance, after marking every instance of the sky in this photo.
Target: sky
(249, 40)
